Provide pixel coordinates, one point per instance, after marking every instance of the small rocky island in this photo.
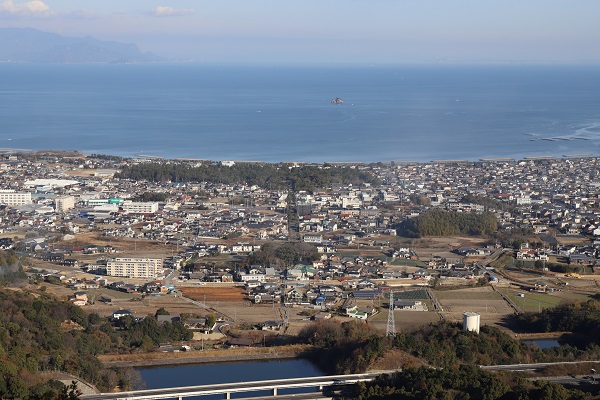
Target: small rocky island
(337, 100)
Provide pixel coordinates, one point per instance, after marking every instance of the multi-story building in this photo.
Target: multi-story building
(312, 238)
(102, 202)
(64, 203)
(137, 207)
(12, 198)
(134, 267)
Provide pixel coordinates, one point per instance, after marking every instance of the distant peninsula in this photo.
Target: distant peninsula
(33, 46)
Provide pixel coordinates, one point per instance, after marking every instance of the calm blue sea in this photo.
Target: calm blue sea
(399, 113)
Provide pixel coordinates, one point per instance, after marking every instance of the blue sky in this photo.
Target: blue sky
(329, 31)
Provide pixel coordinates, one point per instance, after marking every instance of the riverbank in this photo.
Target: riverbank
(203, 356)
(540, 336)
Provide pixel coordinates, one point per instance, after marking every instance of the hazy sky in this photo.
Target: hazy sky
(331, 31)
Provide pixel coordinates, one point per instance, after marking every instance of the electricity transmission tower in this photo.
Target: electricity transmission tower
(391, 323)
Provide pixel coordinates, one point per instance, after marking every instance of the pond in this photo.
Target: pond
(542, 343)
(204, 374)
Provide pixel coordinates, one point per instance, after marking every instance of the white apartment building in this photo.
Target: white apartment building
(64, 203)
(524, 200)
(312, 238)
(12, 198)
(244, 277)
(138, 207)
(134, 267)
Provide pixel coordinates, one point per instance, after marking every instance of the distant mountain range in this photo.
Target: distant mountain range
(32, 45)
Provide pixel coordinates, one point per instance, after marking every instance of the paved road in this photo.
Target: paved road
(579, 380)
(170, 276)
(529, 367)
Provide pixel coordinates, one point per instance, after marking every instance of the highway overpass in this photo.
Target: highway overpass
(227, 389)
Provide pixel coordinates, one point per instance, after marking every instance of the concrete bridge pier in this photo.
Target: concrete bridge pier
(274, 391)
(227, 395)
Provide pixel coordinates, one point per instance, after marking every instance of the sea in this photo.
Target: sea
(272, 114)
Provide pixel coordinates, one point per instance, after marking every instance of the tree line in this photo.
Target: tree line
(272, 176)
(286, 254)
(582, 319)
(438, 222)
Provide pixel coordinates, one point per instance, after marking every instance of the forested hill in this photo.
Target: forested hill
(465, 382)
(582, 319)
(451, 356)
(39, 333)
(309, 177)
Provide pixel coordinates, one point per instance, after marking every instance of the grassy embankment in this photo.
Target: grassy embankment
(206, 356)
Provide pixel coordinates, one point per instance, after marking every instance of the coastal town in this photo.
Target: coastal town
(82, 227)
(299, 200)
(246, 267)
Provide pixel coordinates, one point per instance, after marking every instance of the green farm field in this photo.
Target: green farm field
(535, 302)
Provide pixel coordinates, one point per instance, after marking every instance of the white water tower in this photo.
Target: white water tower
(471, 322)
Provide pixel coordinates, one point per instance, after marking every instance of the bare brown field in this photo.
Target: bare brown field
(427, 247)
(134, 302)
(215, 294)
(80, 172)
(406, 321)
(147, 306)
(245, 312)
(295, 327)
(483, 300)
(58, 291)
(428, 253)
(478, 293)
(572, 240)
(122, 244)
(446, 242)
(490, 305)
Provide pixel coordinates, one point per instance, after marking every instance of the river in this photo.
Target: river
(190, 375)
